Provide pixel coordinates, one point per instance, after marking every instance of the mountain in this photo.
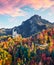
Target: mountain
(29, 27)
(4, 31)
(33, 25)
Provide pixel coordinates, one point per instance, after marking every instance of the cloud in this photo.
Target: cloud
(13, 12)
(13, 19)
(37, 4)
(8, 7)
(52, 9)
(13, 7)
(1, 24)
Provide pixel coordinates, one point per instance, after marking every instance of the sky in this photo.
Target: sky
(14, 12)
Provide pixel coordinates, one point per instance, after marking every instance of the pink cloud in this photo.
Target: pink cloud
(13, 7)
(37, 4)
(8, 7)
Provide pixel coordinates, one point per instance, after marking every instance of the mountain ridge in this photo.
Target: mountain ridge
(29, 27)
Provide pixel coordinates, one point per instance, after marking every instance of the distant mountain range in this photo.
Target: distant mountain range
(29, 27)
